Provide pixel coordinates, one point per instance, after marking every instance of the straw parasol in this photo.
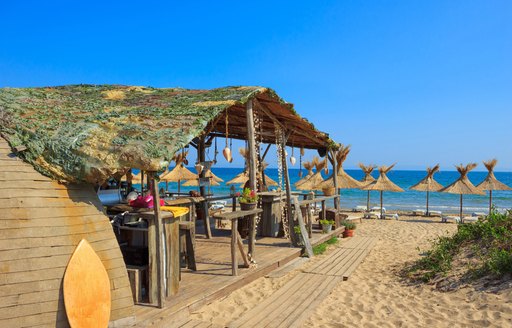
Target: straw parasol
(383, 184)
(345, 181)
(490, 182)
(428, 183)
(214, 180)
(315, 179)
(243, 176)
(177, 174)
(367, 179)
(462, 185)
(308, 166)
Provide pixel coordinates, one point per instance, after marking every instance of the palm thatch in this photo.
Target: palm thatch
(243, 176)
(383, 184)
(92, 132)
(428, 183)
(308, 166)
(462, 185)
(315, 179)
(367, 179)
(214, 180)
(490, 182)
(345, 181)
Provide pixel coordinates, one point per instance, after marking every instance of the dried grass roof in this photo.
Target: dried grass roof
(309, 166)
(92, 132)
(243, 177)
(214, 180)
(367, 170)
(428, 183)
(345, 181)
(178, 173)
(490, 182)
(313, 181)
(462, 185)
(383, 183)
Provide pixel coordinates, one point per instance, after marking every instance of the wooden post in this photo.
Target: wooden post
(304, 233)
(234, 258)
(142, 182)
(201, 155)
(427, 204)
(381, 211)
(293, 238)
(158, 239)
(461, 219)
(368, 202)
(490, 201)
(251, 140)
(335, 180)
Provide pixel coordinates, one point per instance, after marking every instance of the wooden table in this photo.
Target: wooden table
(236, 240)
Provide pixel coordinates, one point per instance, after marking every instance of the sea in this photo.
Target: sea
(404, 201)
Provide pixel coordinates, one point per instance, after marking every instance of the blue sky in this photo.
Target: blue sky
(413, 82)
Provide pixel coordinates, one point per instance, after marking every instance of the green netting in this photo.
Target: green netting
(89, 132)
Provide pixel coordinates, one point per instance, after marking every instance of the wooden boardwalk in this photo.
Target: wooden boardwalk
(293, 303)
(344, 260)
(213, 279)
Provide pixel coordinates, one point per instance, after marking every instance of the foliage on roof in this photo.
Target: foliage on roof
(90, 132)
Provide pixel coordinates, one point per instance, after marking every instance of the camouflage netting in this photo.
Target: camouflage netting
(91, 132)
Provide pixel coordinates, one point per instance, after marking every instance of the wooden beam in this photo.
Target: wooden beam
(303, 231)
(201, 155)
(288, 193)
(335, 180)
(158, 238)
(269, 114)
(265, 152)
(251, 140)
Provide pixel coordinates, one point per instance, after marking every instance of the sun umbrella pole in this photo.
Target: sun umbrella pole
(427, 204)
(490, 201)
(461, 208)
(381, 208)
(368, 202)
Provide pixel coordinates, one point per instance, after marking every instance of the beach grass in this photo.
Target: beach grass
(478, 249)
(321, 248)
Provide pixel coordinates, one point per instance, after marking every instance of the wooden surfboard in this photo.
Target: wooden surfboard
(86, 289)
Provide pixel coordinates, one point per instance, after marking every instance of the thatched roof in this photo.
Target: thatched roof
(367, 170)
(345, 181)
(243, 177)
(428, 183)
(308, 166)
(462, 185)
(214, 180)
(178, 173)
(315, 179)
(383, 183)
(91, 132)
(490, 182)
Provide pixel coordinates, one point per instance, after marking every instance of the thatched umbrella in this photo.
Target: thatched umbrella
(315, 179)
(383, 184)
(428, 183)
(243, 176)
(177, 174)
(462, 185)
(490, 182)
(214, 180)
(345, 181)
(308, 166)
(367, 179)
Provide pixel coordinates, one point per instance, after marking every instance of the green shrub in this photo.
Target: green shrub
(349, 225)
(325, 222)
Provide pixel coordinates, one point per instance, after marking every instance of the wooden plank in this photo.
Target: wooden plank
(348, 272)
(304, 233)
(237, 214)
(49, 213)
(240, 244)
(234, 258)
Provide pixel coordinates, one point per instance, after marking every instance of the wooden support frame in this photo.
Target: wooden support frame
(293, 238)
(334, 162)
(201, 155)
(158, 249)
(304, 233)
(251, 140)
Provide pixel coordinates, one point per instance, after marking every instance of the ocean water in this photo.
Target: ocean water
(407, 200)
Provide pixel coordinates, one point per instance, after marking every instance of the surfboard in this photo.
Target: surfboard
(86, 289)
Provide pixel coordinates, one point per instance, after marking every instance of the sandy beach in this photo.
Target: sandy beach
(376, 295)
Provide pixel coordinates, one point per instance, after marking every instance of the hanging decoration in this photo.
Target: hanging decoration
(280, 159)
(227, 151)
(199, 168)
(292, 158)
(300, 163)
(215, 152)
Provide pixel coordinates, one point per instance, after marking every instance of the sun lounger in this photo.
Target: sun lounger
(438, 213)
(446, 218)
(359, 208)
(419, 212)
(391, 216)
(377, 209)
(479, 214)
(372, 215)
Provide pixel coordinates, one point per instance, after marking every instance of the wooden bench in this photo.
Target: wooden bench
(236, 240)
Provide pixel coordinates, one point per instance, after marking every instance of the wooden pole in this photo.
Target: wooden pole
(427, 204)
(461, 220)
(158, 239)
(251, 140)
(368, 202)
(142, 182)
(335, 181)
(201, 155)
(289, 215)
(381, 208)
(490, 201)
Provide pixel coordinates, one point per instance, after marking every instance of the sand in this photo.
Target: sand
(375, 295)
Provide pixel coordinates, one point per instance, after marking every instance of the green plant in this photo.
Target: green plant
(489, 239)
(247, 196)
(296, 229)
(321, 248)
(349, 225)
(326, 222)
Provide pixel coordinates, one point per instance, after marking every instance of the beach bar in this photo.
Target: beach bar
(58, 143)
